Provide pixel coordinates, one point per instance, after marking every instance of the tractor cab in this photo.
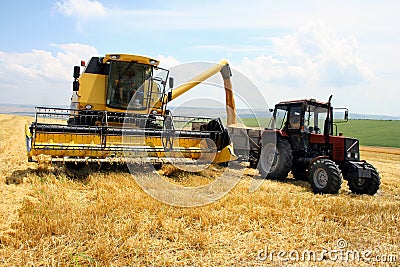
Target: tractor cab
(299, 119)
(303, 116)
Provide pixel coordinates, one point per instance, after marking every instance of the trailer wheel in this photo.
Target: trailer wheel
(275, 160)
(360, 185)
(325, 177)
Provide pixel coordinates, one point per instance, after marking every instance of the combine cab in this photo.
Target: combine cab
(119, 112)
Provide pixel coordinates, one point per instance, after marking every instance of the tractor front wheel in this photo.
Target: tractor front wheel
(325, 177)
(360, 185)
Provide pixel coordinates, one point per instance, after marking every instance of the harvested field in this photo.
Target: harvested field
(105, 219)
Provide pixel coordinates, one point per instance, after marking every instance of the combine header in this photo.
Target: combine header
(119, 112)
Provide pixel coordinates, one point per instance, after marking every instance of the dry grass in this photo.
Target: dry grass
(107, 220)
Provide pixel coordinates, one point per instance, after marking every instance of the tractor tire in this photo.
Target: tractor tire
(299, 172)
(370, 186)
(325, 177)
(275, 161)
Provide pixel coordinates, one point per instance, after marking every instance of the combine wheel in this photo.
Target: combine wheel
(325, 177)
(75, 166)
(275, 161)
(360, 185)
(157, 165)
(77, 170)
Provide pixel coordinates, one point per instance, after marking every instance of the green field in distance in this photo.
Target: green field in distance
(370, 132)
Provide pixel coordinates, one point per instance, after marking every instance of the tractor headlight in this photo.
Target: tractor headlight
(88, 106)
(349, 155)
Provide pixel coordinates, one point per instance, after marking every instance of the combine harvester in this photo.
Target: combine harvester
(119, 112)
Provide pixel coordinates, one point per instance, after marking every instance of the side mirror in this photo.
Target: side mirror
(342, 115)
(77, 72)
(169, 97)
(171, 82)
(271, 110)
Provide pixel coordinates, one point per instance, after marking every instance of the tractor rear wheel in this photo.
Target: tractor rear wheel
(360, 185)
(325, 177)
(275, 160)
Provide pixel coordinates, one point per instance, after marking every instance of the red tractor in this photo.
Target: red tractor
(302, 140)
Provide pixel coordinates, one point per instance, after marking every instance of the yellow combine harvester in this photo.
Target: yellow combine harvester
(119, 112)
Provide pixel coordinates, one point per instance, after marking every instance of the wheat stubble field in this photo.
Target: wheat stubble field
(48, 218)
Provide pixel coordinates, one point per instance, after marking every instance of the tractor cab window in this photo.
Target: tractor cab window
(315, 119)
(294, 122)
(280, 116)
(287, 117)
(127, 79)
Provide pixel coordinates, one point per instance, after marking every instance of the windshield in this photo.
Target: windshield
(315, 119)
(124, 80)
(280, 115)
(134, 84)
(287, 117)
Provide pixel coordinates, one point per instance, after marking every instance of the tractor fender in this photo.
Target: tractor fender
(282, 133)
(315, 159)
(276, 132)
(270, 136)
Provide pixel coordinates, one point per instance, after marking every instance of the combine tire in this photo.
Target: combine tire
(325, 177)
(368, 186)
(77, 170)
(75, 166)
(275, 161)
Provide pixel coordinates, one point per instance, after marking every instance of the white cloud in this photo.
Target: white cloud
(167, 62)
(313, 56)
(43, 77)
(81, 9)
(39, 76)
(41, 64)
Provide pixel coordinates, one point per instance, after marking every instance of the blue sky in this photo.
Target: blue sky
(288, 49)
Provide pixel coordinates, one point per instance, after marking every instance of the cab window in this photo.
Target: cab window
(315, 119)
(294, 118)
(126, 79)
